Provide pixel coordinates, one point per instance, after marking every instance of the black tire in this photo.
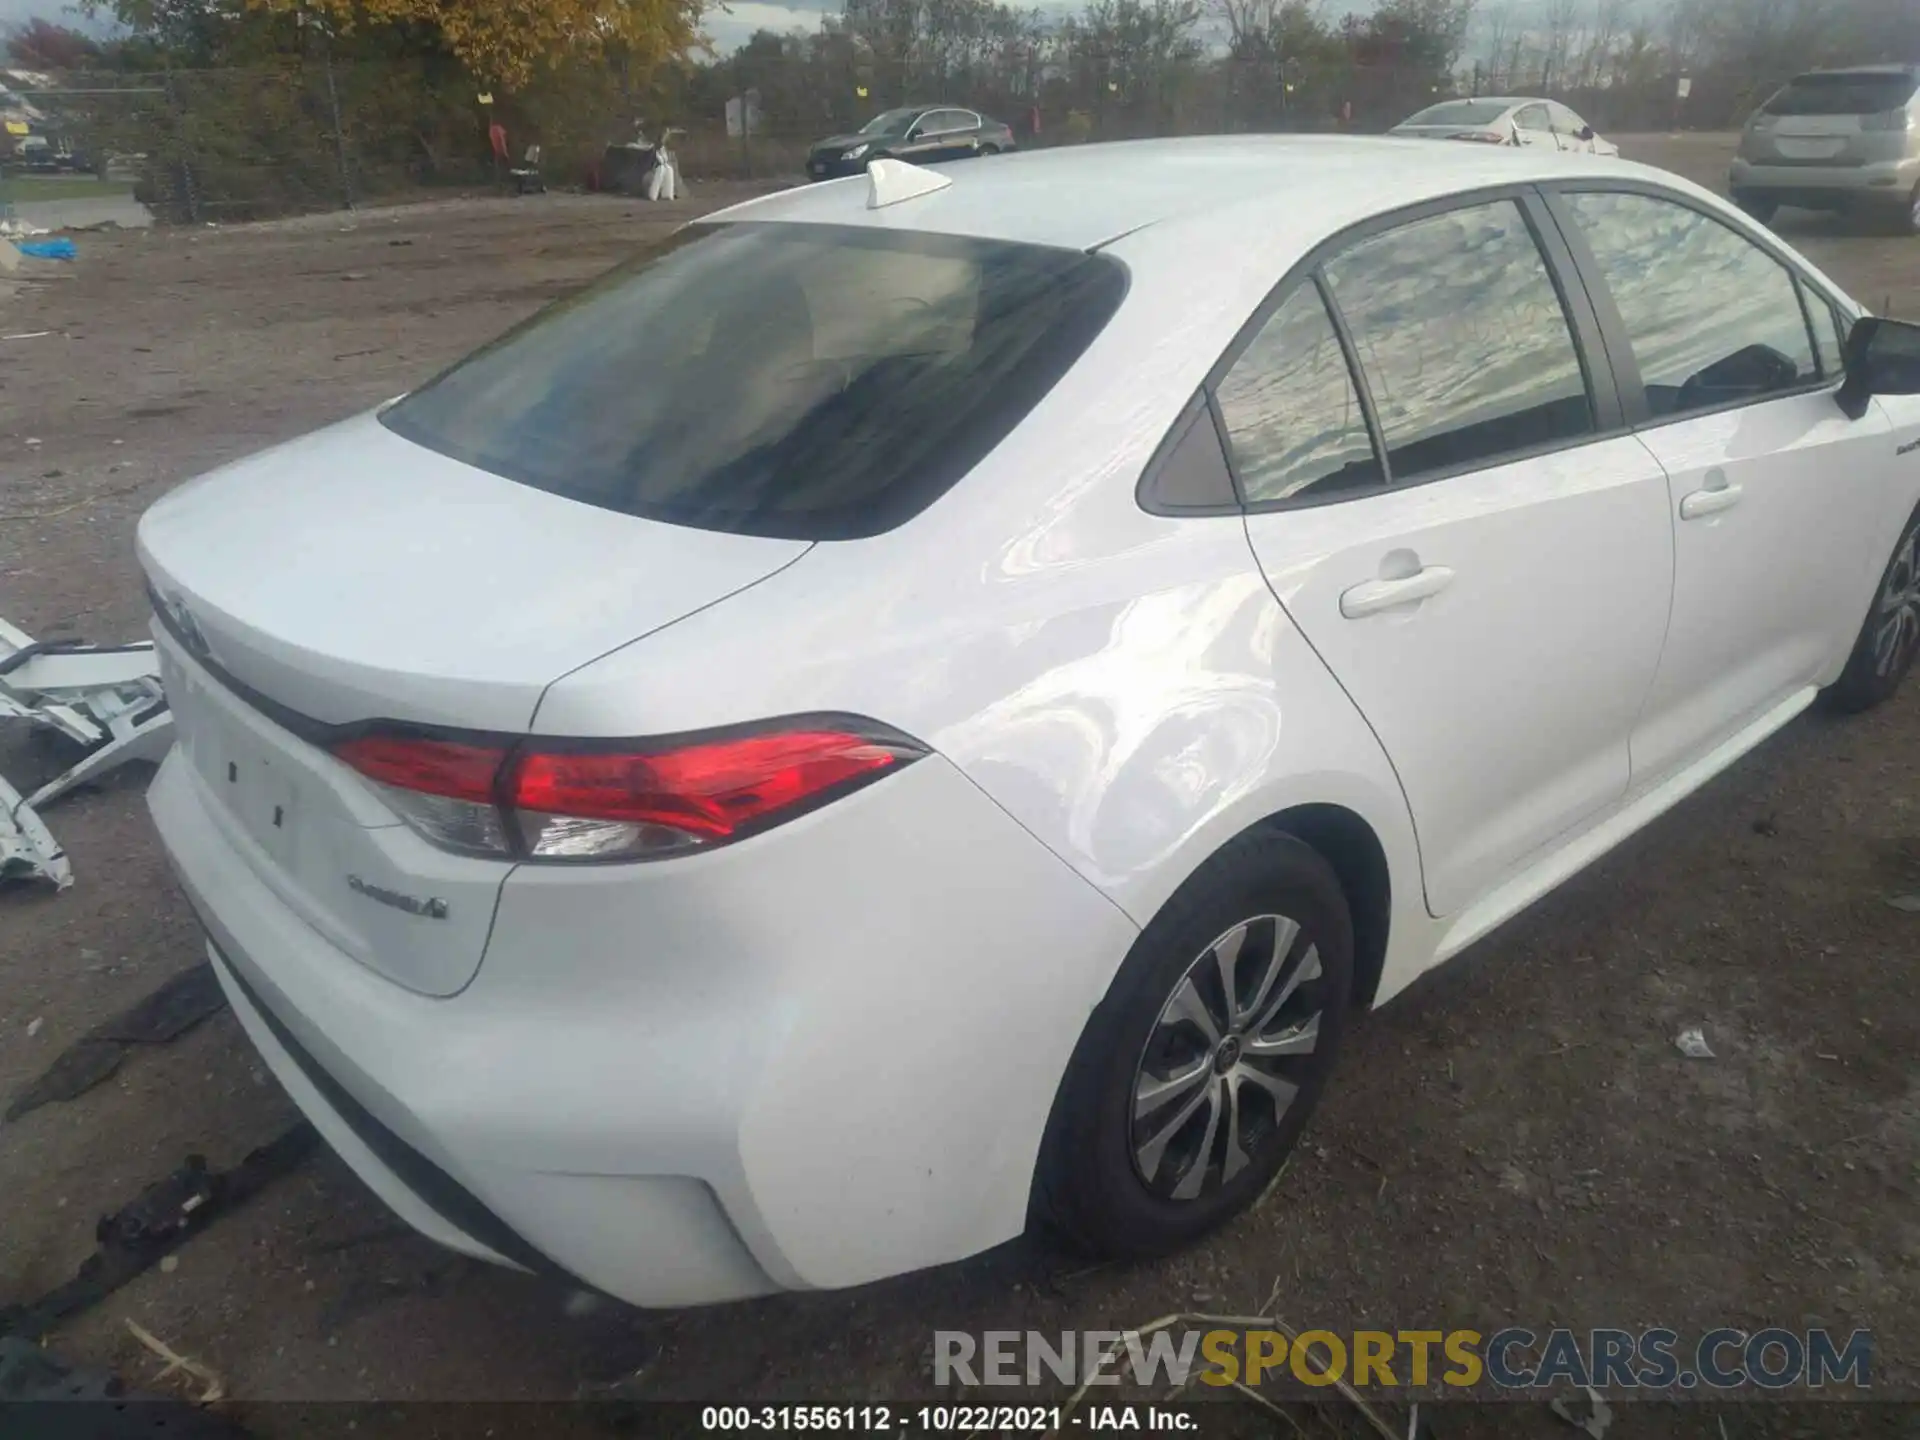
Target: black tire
(1091, 1189)
(989, 150)
(1758, 207)
(1867, 682)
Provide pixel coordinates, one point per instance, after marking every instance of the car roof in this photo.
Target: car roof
(1085, 196)
(1507, 100)
(1861, 70)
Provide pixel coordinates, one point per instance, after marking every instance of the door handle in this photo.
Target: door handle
(1702, 503)
(1374, 596)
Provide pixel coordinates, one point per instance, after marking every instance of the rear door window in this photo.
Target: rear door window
(1713, 319)
(1291, 410)
(1466, 349)
(799, 381)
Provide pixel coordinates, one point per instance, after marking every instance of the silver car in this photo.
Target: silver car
(1846, 140)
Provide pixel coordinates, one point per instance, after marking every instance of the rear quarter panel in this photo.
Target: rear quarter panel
(1124, 685)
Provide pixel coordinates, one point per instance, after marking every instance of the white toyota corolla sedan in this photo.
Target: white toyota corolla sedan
(926, 702)
(1507, 120)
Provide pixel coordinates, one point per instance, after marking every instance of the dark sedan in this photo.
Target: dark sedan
(922, 134)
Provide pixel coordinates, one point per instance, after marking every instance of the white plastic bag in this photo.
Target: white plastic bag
(662, 183)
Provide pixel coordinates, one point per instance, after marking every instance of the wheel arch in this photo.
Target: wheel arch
(1344, 839)
(1348, 842)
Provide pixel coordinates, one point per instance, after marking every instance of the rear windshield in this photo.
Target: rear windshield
(1841, 93)
(1460, 112)
(804, 381)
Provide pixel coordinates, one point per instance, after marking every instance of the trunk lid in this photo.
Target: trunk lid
(354, 576)
(1813, 139)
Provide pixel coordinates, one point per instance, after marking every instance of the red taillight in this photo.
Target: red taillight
(565, 802)
(427, 767)
(709, 790)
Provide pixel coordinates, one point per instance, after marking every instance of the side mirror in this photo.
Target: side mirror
(1585, 133)
(1882, 358)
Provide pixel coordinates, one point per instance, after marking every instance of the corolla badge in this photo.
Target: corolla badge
(432, 908)
(185, 626)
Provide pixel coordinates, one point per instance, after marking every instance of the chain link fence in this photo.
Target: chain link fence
(313, 134)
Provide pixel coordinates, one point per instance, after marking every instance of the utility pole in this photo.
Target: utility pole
(339, 131)
(189, 192)
(303, 20)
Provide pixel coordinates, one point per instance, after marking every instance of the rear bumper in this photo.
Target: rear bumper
(1890, 182)
(813, 1059)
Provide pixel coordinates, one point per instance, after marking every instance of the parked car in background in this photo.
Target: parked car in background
(50, 155)
(926, 702)
(1845, 140)
(919, 133)
(1507, 120)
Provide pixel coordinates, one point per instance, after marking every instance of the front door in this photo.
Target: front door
(1533, 127)
(1776, 498)
(952, 134)
(1493, 596)
(1570, 132)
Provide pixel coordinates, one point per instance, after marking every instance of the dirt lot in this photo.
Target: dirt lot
(1516, 1141)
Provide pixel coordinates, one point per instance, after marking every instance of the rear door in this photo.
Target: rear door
(1777, 499)
(922, 142)
(1457, 523)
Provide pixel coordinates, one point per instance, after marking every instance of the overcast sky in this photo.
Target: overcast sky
(15, 10)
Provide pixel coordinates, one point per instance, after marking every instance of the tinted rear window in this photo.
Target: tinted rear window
(801, 381)
(1843, 94)
(1460, 112)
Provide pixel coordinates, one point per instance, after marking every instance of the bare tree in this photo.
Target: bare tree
(1558, 21)
(1597, 51)
(1498, 33)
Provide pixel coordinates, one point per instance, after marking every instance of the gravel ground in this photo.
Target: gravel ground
(1516, 1140)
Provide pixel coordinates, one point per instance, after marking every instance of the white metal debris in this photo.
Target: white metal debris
(28, 850)
(1692, 1043)
(1595, 1422)
(106, 699)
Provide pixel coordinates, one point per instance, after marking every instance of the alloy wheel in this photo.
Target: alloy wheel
(1898, 612)
(1227, 1058)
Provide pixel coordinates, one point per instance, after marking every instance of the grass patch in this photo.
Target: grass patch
(25, 189)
